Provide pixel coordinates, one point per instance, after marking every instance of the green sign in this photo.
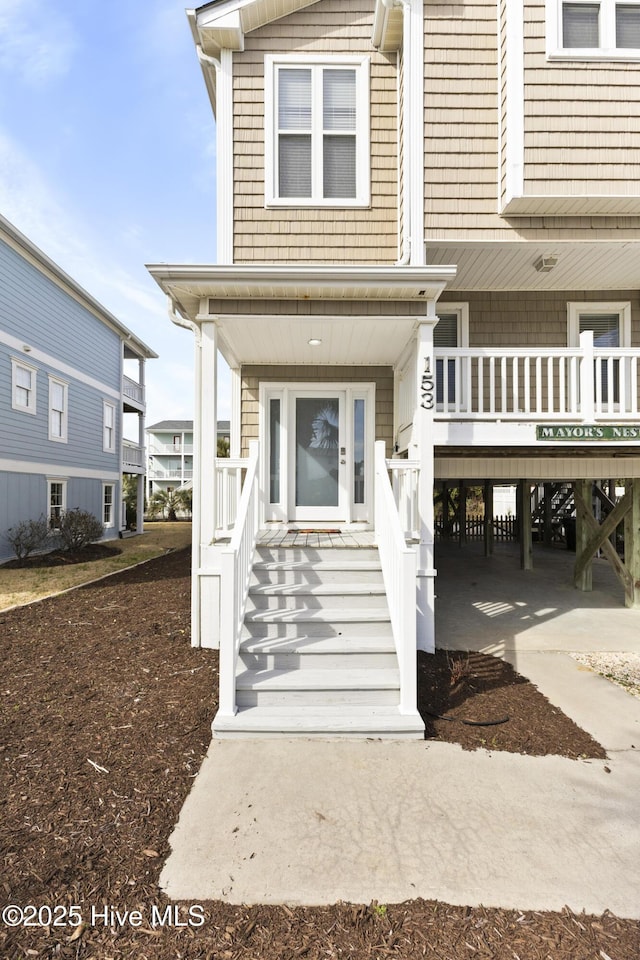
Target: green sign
(587, 432)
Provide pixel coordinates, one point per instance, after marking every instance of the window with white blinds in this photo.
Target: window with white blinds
(602, 27)
(445, 334)
(316, 137)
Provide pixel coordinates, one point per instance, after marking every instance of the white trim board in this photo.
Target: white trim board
(59, 471)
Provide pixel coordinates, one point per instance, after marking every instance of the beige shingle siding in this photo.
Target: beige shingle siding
(532, 319)
(316, 235)
(582, 121)
(461, 118)
(252, 375)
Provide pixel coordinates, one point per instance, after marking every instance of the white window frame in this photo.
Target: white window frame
(64, 424)
(108, 439)
(31, 406)
(607, 49)
(575, 308)
(109, 523)
(63, 505)
(272, 65)
(461, 312)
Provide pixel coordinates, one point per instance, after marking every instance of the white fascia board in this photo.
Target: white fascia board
(297, 273)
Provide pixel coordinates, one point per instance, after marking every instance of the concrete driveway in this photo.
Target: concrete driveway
(313, 822)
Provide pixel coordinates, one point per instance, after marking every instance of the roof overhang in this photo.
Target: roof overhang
(517, 265)
(282, 334)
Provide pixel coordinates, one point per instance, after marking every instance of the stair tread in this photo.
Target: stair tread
(316, 589)
(386, 678)
(320, 565)
(344, 718)
(328, 644)
(318, 615)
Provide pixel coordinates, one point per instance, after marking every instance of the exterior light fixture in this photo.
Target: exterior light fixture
(314, 342)
(546, 263)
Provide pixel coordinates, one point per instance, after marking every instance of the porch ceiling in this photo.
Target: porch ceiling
(268, 336)
(585, 265)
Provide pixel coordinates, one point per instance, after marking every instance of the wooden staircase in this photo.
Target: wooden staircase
(317, 656)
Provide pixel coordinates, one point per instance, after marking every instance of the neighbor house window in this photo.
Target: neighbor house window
(57, 501)
(109, 427)
(58, 412)
(23, 386)
(108, 504)
(602, 29)
(317, 131)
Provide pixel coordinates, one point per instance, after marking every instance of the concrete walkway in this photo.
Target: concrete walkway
(313, 822)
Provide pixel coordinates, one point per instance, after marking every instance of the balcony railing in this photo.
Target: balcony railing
(170, 449)
(155, 472)
(580, 383)
(131, 390)
(133, 457)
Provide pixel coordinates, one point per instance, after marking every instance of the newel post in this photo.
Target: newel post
(587, 371)
(423, 441)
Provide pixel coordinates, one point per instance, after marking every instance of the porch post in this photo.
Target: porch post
(632, 546)
(208, 433)
(488, 518)
(423, 440)
(141, 444)
(524, 517)
(234, 431)
(583, 579)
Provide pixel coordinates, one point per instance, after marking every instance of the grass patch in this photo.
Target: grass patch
(24, 585)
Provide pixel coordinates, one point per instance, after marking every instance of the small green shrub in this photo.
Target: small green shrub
(78, 528)
(28, 536)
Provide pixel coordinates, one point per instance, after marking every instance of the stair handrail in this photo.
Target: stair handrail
(399, 568)
(236, 563)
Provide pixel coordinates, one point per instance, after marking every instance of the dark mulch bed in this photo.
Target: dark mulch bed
(481, 702)
(63, 558)
(105, 715)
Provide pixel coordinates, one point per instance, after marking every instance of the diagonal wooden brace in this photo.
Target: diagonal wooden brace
(599, 538)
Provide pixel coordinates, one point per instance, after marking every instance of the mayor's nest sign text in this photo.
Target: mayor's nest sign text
(586, 432)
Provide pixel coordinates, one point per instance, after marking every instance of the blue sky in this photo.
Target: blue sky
(107, 160)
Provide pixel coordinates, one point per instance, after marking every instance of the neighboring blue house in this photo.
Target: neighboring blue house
(63, 395)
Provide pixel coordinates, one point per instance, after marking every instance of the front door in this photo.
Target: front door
(317, 456)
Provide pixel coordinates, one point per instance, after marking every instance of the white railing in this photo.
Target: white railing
(229, 476)
(132, 456)
(133, 390)
(155, 472)
(170, 449)
(533, 384)
(404, 484)
(236, 564)
(399, 572)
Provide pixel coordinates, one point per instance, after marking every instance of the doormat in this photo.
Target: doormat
(313, 530)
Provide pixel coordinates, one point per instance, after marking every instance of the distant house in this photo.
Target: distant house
(63, 395)
(170, 453)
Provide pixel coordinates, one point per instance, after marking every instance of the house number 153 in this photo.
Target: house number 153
(427, 386)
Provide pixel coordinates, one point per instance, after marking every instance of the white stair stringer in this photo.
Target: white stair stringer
(317, 656)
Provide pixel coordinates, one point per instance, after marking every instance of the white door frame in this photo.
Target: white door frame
(286, 392)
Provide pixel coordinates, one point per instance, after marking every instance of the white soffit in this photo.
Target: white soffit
(511, 266)
(224, 23)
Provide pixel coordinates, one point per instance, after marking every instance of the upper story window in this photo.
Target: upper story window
(599, 29)
(317, 131)
(58, 410)
(23, 386)
(108, 427)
